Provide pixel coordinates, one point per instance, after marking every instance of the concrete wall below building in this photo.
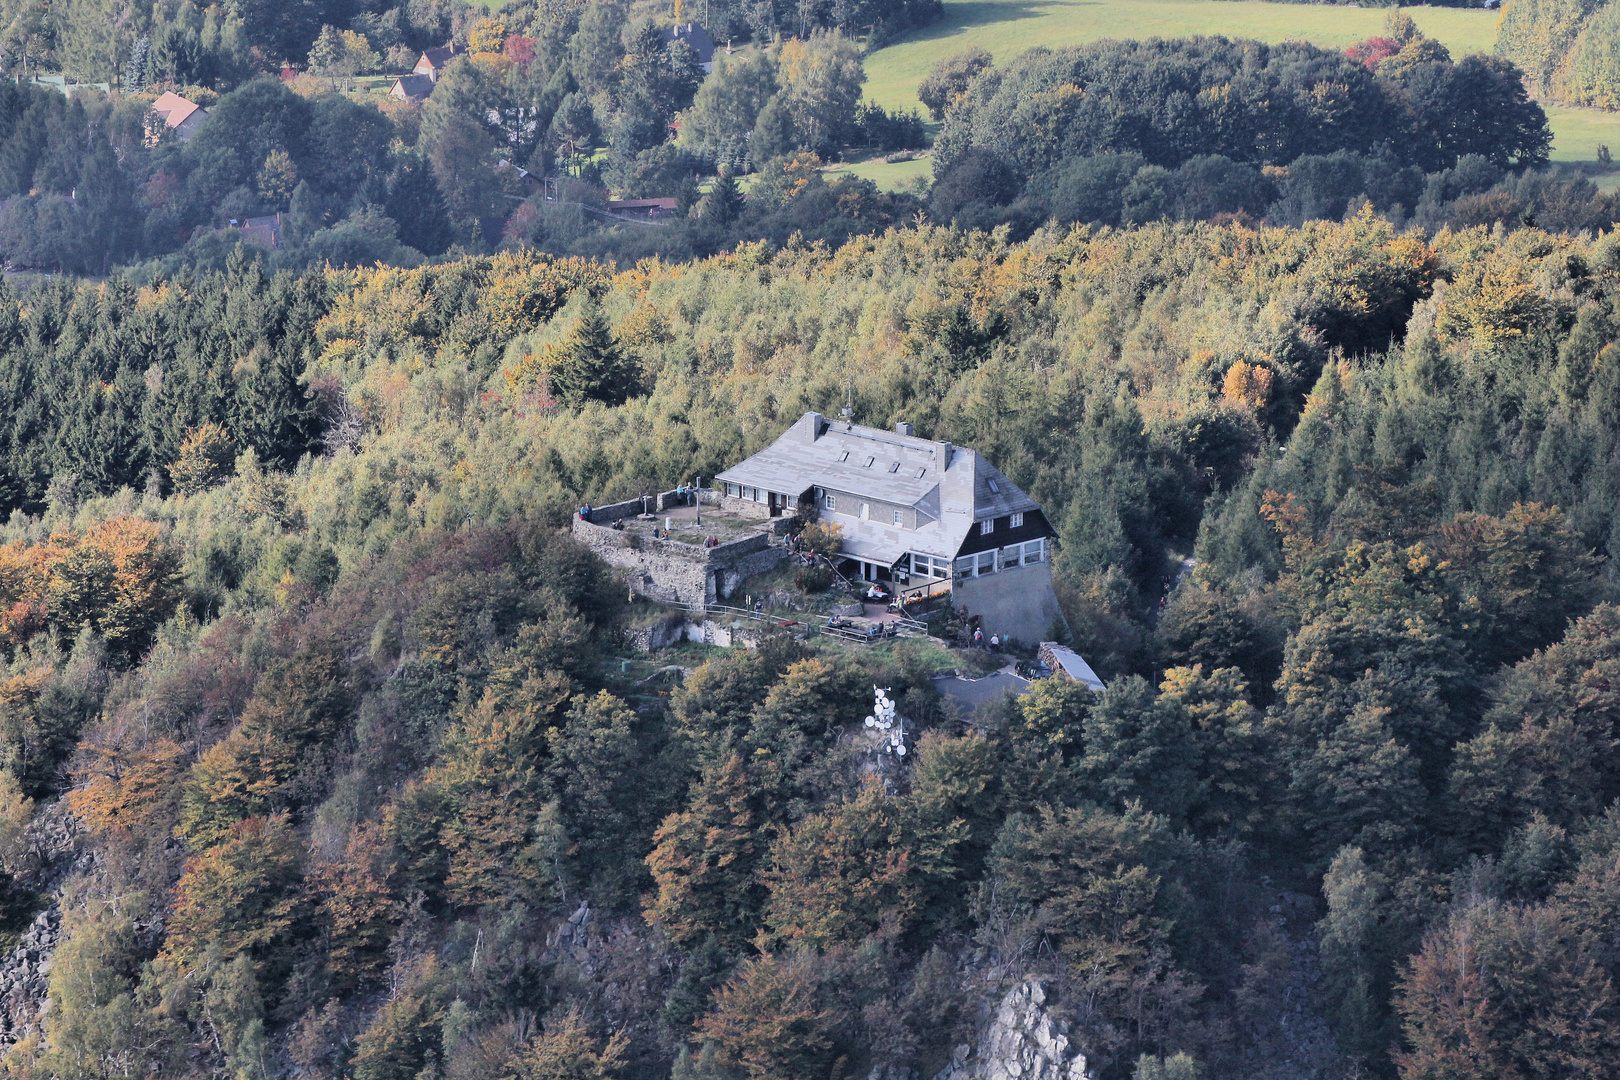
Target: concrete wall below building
(1018, 603)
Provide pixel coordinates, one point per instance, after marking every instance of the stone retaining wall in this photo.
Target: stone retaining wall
(744, 507)
(678, 628)
(672, 570)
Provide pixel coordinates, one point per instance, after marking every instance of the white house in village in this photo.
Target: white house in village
(926, 516)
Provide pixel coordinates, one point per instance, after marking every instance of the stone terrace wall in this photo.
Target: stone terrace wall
(673, 570)
(647, 504)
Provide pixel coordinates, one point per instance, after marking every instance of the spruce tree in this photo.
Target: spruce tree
(590, 366)
(417, 206)
(724, 202)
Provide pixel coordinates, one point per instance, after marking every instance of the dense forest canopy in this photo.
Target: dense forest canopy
(291, 631)
(325, 750)
(591, 95)
(606, 103)
(1125, 132)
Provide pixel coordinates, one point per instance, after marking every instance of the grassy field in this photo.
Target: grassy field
(890, 176)
(1008, 27)
(1577, 133)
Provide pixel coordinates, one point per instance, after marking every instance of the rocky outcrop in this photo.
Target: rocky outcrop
(1023, 1042)
(24, 975)
(54, 854)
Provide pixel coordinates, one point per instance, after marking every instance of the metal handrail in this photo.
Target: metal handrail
(717, 609)
(923, 592)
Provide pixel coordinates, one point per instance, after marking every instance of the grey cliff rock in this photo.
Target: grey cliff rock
(1023, 1042)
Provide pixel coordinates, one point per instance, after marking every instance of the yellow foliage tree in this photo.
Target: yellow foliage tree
(207, 453)
(841, 875)
(1248, 385)
(124, 793)
(527, 289)
(565, 1050)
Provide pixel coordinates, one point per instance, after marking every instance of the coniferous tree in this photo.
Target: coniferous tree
(590, 365)
(417, 205)
(724, 202)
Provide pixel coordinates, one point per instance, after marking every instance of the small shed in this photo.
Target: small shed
(263, 230)
(656, 209)
(1066, 663)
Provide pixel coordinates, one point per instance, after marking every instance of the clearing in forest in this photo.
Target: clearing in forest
(1008, 27)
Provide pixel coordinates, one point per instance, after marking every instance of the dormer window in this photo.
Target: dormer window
(899, 518)
(844, 456)
(987, 526)
(1016, 521)
(920, 473)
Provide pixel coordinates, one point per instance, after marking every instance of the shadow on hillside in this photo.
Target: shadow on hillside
(977, 13)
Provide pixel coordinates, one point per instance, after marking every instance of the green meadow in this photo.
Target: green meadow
(1008, 27)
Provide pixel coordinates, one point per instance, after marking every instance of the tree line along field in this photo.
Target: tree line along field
(1009, 27)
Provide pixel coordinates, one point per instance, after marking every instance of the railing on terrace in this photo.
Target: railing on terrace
(926, 591)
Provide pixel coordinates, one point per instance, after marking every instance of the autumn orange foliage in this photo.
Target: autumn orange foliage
(120, 577)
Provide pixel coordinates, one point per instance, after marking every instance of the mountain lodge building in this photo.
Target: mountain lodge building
(925, 516)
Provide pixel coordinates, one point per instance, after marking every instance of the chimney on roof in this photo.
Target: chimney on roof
(902, 428)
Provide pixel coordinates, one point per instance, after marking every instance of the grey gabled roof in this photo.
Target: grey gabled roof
(413, 87)
(952, 487)
(695, 36)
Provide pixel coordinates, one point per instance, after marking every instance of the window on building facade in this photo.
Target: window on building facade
(899, 518)
(866, 511)
(987, 527)
(1016, 521)
(964, 567)
(987, 562)
(832, 503)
